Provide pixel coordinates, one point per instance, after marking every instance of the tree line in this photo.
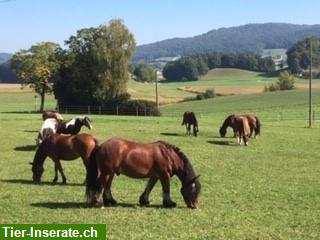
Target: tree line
(193, 67)
(92, 69)
(299, 56)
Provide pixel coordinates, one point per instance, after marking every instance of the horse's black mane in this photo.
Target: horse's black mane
(226, 122)
(188, 169)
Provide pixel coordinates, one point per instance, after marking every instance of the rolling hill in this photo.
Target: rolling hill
(251, 38)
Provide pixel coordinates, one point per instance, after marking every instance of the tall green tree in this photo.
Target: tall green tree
(95, 66)
(144, 73)
(299, 56)
(36, 67)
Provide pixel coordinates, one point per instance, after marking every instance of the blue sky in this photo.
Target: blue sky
(26, 22)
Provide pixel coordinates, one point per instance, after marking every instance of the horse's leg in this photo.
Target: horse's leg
(108, 200)
(165, 182)
(55, 172)
(239, 138)
(85, 163)
(188, 128)
(144, 198)
(251, 126)
(194, 130)
(245, 138)
(64, 179)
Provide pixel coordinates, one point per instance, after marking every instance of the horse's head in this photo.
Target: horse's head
(190, 192)
(223, 131)
(37, 171)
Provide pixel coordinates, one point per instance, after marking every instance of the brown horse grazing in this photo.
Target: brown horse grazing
(59, 147)
(50, 114)
(156, 161)
(189, 118)
(240, 126)
(253, 121)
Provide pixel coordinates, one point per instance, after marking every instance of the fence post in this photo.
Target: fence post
(137, 111)
(117, 109)
(145, 110)
(99, 110)
(313, 115)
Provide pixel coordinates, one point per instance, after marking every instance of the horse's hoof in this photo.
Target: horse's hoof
(143, 202)
(169, 204)
(54, 181)
(110, 202)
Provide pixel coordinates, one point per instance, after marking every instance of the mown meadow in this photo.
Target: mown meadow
(268, 190)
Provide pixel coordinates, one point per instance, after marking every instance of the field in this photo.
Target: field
(268, 190)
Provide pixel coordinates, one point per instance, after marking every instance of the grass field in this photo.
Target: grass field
(268, 190)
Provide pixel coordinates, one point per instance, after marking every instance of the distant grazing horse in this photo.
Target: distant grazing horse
(50, 114)
(189, 118)
(51, 126)
(156, 161)
(60, 147)
(254, 124)
(240, 126)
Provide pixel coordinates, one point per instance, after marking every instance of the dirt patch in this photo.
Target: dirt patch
(9, 86)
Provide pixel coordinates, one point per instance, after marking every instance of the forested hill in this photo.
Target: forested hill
(251, 38)
(4, 57)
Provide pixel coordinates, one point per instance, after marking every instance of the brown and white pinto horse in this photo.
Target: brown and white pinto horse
(240, 126)
(52, 125)
(60, 147)
(156, 161)
(51, 114)
(189, 118)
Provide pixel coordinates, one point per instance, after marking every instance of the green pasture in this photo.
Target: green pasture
(268, 190)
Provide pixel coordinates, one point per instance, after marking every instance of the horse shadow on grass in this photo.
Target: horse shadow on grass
(47, 183)
(72, 205)
(25, 148)
(222, 142)
(31, 131)
(171, 134)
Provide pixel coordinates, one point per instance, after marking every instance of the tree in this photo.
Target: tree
(299, 57)
(36, 67)
(95, 66)
(144, 73)
(285, 81)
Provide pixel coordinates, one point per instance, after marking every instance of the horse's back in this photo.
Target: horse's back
(240, 123)
(133, 159)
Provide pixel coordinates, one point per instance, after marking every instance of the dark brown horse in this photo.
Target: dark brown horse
(189, 118)
(51, 114)
(60, 147)
(156, 161)
(240, 126)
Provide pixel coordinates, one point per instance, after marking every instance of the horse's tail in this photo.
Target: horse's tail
(92, 184)
(258, 128)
